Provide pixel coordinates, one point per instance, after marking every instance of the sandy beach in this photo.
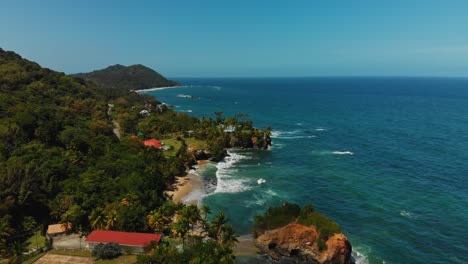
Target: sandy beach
(189, 188)
(157, 88)
(246, 246)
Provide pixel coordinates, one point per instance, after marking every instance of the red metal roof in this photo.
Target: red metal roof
(153, 143)
(123, 238)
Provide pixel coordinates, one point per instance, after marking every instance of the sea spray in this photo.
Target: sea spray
(225, 175)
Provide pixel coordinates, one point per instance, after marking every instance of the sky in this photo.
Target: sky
(242, 38)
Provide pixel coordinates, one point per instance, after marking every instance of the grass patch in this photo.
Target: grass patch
(174, 144)
(33, 259)
(128, 259)
(39, 243)
(196, 144)
(71, 252)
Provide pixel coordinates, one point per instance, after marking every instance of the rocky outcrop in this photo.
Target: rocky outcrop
(201, 154)
(302, 243)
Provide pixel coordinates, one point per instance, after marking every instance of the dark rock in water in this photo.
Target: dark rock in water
(202, 154)
(300, 243)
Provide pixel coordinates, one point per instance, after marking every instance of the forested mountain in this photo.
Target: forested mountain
(134, 77)
(60, 161)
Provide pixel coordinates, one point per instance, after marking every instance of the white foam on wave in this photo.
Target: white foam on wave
(299, 124)
(192, 171)
(261, 181)
(226, 183)
(184, 96)
(186, 111)
(261, 197)
(407, 214)
(295, 134)
(320, 129)
(359, 257)
(277, 146)
(298, 137)
(343, 152)
(279, 133)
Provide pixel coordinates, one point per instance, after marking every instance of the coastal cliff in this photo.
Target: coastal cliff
(301, 242)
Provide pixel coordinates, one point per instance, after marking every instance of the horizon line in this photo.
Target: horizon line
(326, 76)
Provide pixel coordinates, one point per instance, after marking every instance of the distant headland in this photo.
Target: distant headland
(134, 77)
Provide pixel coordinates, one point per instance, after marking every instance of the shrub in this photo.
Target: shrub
(325, 225)
(106, 251)
(321, 244)
(276, 217)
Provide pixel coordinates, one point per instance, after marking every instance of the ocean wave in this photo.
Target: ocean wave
(327, 152)
(261, 181)
(343, 152)
(192, 171)
(299, 124)
(226, 183)
(359, 257)
(184, 96)
(407, 214)
(186, 111)
(294, 134)
(277, 146)
(320, 129)
(280, 132)
(261, 197)
(298, 137)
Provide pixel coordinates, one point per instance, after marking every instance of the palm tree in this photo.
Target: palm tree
(5, 233)
(181, 228)
(192, 214)
(111, 220)
(218, 225)
(157, 220)
(206, 210)
(228, 236)
(17, 249)
(97, 219)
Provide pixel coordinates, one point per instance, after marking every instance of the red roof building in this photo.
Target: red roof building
(124, 239)
(153, 143)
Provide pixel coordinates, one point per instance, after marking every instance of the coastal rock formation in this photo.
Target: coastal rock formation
(301, 242)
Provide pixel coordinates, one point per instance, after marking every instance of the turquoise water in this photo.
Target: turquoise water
(384, 157)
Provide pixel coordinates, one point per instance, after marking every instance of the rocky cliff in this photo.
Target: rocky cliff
(302, 243)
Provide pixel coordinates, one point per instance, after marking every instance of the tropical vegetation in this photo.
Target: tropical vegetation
(62, 160)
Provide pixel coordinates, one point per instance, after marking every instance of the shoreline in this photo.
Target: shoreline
(189, 188)
(157, 88)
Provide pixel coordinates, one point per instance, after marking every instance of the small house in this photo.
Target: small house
(153, 143)
(128, 241)
(58, 229)
(144, 112)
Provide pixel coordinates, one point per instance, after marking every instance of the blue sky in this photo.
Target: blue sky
(243, 38)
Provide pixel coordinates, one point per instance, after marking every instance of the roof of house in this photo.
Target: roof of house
(123, 238)
(57, 228)
(153, 143)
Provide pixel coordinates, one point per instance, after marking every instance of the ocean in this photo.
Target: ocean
(386, 158)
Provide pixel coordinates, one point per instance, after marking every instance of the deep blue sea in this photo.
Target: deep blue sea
(386, 158)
